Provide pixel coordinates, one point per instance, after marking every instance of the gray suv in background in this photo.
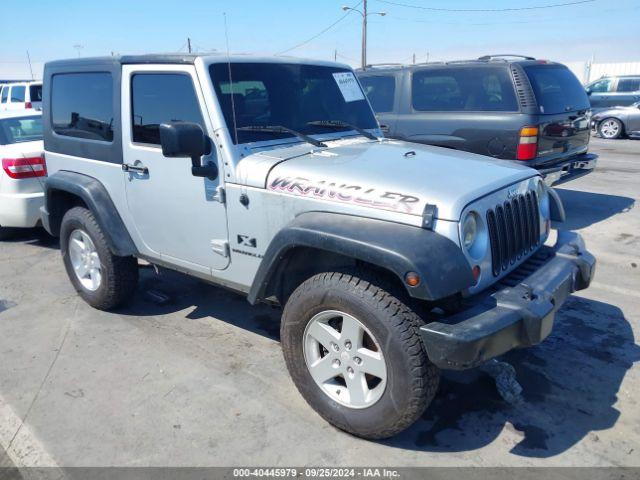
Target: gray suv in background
(614, 91)
(506, 107)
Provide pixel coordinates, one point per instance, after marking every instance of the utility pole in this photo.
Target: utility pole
(189, 44)
(364, 35)
(335, 55)
(30, 69)
(364, 14)
(414, 58)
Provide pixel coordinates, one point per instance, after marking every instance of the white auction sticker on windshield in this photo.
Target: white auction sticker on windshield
(348, 86)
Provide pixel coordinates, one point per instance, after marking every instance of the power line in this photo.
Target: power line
(479, 10)
(322, 31)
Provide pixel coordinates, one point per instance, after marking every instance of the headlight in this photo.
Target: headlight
(469, 230)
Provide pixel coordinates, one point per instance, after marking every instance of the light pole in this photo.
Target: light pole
(364, 14)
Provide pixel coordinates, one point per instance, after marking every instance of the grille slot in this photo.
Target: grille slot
(514, 230)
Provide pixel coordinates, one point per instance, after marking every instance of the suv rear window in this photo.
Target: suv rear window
(82, 105)
(35, 92)
(380, 91)
(463, 89)
(557, 89)
(628, 84)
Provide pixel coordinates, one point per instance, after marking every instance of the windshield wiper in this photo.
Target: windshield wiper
(281, 129)
(334, 124)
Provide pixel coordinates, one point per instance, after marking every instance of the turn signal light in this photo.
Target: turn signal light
(412, 279)
(20, 168)
(528, 144)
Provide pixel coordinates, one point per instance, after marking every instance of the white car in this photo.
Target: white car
(20, 96)
(23, 166)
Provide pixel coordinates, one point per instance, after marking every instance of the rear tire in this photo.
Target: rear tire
(610, 128)
(103, 280)
(390, 347)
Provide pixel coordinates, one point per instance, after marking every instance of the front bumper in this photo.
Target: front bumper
(519, 313)
(569, 169)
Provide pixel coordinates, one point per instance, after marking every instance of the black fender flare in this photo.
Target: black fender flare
(395, 247)
(97, 199)
(556, 208)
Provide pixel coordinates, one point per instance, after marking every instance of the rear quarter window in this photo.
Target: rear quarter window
(473, 89)
(35, 93)
(628, 84)
(556, 88)
(82, 105)
(380, 90)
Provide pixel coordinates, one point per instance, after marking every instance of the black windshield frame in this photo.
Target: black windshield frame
(286, 94)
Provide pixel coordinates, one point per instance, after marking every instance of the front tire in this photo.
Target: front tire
(105, 281)
(354, 352)
(610, 128)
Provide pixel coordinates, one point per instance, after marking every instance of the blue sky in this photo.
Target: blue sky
(49, 29)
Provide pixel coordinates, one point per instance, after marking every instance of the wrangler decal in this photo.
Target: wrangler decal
(345, 193)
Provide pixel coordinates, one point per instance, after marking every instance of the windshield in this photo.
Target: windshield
(293, 96)
(20, 129)
(557, 90)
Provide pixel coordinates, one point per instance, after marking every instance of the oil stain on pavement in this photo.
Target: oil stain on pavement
(570, 384)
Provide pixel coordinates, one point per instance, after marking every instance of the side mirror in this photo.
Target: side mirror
(186, 139)
(589, 92)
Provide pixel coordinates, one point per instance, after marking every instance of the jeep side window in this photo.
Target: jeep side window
(628, 84)
(5, 94)
(160, 98)
(380, 90)
(82, 105)
(17, 93)
(463, 89)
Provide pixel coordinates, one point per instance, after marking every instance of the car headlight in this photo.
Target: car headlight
(469, 230)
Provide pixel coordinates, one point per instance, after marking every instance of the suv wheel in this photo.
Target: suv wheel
(355, 354)
(610, 128)
(102, 279)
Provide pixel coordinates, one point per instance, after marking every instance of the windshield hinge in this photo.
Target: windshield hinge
(217, 195)
(221, 247)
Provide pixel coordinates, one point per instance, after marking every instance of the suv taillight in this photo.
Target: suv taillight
(19, 168)
(528, 144)
(28, 105)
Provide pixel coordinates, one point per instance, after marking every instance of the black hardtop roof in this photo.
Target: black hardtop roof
(176, 58)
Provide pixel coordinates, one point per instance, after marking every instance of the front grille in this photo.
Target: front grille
(514, 230)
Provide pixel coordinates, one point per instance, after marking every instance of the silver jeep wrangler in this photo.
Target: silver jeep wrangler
(270, 176)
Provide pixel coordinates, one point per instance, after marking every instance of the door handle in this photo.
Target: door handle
(384, 128)
(135, 169)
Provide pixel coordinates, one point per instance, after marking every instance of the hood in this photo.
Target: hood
(389, 175)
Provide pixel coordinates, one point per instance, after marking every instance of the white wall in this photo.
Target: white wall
(587, 71)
